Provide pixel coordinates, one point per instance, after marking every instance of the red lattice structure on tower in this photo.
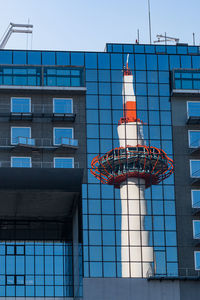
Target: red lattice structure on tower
(149, 163)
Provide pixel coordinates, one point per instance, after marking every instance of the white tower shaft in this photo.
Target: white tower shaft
(136, 254)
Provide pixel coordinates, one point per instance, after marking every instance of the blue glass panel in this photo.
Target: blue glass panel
(104, 75)
(197, 260)
(195, 62)
(34, 57)
(91, 88)
(21, 162)
(77, 59)
(5, 57)
(95, 253)
(92, 101)
(60, 133)
(117, 48)
(109, 269)
(152, 76)
(160, 49)
(160, 262)
(95, 222)
(195, 194)
(149, 49)
(174, 61)
(63, 106)
(19, 57)
(193, 109)
(21, 105)
(171, 49)
(63, 162)
(17, 132)
(104, 88)
(103, 61)
(163, 77)
(96, 269)
(128, 48)
(194, 139)
(163, 63)
(195, 168)
(185, 61)
(196, 229)
(193, 49)
(140, 62)
(95, 237)
(105, 102)
(48, 58)
(91, 60)
(116, 61)
(139, 48)
(140, 76)
(62, 58)
(92, 116)
(181, 50)
(94, 206)
(151, 62)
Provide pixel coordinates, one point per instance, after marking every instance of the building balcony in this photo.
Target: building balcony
(193, 120)
(38, 143)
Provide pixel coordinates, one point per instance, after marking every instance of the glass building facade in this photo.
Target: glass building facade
(101, 203)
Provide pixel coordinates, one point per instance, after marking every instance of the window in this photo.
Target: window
(60, 134)
(21, 162)
(197, 260)
(196, 229)
(20, 105)
(20, 135)
(193, 109)
(195, 195)
(63, 162)
(194, 138)
(15, 280)
(195, 168)
(63, 106)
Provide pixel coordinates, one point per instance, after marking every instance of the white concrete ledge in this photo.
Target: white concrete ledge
(43, 88)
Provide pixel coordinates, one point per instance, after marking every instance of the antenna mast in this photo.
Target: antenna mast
(14, 28)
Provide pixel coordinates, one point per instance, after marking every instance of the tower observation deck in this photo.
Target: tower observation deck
(132, 168)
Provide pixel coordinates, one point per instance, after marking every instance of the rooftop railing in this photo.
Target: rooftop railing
(59, 76)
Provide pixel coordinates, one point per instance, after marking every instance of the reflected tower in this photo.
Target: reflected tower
(132, 167)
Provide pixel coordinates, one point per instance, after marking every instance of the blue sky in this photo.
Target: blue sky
(88, 25)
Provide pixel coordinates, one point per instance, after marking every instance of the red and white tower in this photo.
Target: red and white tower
(132, 167)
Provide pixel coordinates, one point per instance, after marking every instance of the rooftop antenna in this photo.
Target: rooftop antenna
(164, 38)
(14, 28)
(149, 12)
(193, 38)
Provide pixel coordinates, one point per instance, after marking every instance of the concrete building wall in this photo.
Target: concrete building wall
(182, 156)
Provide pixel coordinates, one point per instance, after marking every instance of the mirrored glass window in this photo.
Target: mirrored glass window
(194, 138)
(196, 229)
(193, 109)
(195, 195)
(197, 260)
(63, 162)
(20, 132)
(21, 162)
(20, 105)
(195, 168)
(61, 133)
(63, 106)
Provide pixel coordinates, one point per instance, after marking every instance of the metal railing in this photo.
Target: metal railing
(38, 142)
(69, 142)
(35, 108)
(43, 164)
(180, 273)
